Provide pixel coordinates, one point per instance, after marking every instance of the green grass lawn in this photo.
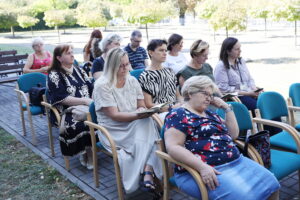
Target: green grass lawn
(24, 175)
(20, 49)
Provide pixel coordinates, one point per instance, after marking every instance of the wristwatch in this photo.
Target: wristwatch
(229, 109)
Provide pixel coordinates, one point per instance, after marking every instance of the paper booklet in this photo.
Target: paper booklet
(229, 95)
(154, 109)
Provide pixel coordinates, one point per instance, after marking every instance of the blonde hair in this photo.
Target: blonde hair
(198, 47)
(112, 65)
(196, 84)
(37, 40)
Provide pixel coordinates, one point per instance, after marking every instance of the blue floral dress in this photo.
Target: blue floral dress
(61, 85)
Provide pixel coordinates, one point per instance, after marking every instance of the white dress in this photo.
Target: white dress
(135, 140)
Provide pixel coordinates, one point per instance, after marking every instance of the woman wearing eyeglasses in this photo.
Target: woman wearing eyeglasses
(118, 96)
(197, 66)
(40, 60)
(202, 140)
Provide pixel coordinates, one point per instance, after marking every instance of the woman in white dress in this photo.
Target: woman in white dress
(118, 96)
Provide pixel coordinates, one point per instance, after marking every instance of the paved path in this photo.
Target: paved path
(83, 178)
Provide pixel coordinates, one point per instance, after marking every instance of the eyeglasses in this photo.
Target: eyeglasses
(207, 95)
(39, 44)
(125, 65)
(137, 41)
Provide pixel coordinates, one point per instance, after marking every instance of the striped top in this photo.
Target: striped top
(136, 58)
(160, 84)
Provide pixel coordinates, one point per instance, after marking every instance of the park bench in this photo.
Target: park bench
(11, 63)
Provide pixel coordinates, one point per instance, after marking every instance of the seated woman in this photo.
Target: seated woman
(40, 60)
(118, 96)
(88, 57)
(110, 41)
(70, 86)
(199, 138)
(175, 59)
(232, 75)
(197, 66)
(158, 83)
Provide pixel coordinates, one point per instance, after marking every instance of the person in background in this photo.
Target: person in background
(199, 138)
(175, 59)
(112, 40)
(232, 75)
(87, 54)
(40, 60)
(70, 86)
(197, 66)
(159, 83)
(134, 134)
(138, 57)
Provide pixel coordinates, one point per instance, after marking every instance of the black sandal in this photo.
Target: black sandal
(147, 186)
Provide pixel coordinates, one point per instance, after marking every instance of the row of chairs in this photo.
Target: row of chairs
(289, 136)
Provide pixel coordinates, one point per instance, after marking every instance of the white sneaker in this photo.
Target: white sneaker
(89, 163)
(82, 160)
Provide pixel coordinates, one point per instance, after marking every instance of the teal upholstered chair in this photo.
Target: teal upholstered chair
(294, 103)
(136, 73)
(24, 84)
(283, 163)
(272, 105)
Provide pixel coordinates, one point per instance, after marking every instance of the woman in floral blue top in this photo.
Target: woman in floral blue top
(201, 139)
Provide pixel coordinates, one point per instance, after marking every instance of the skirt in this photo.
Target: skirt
(239, 179)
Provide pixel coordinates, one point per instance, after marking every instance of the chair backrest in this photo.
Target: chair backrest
(93, 112)
(136, 73)
(242, 115)
(272, 105)
(294, 93)
(27, 81)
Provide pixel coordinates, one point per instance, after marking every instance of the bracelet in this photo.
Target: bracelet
(229, 109)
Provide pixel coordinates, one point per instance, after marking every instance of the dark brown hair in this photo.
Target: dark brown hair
(227, 46)
(58, 51)
(173, 40)
(95, 34)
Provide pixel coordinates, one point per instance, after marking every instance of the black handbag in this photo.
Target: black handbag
(261, 142)
(36, 95)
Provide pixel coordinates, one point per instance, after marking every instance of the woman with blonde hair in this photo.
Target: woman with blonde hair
(134, 134)
(199, 138)
(197, 66)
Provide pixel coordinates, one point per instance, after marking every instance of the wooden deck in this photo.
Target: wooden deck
(10, 120)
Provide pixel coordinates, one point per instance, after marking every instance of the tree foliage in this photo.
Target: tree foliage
(286, 9)
(228, 14)
(54, 18)
(27, 21)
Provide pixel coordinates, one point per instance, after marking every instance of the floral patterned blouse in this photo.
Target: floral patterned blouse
(206, 137)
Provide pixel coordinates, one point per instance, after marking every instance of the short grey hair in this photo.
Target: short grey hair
(136, 33)
(37, 40)
(196, 84)
(112, 37)
(112, 65)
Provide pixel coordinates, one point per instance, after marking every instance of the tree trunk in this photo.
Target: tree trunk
(58, 33)
(226, 32)
(182, 17)
(64, 30)
(31, 31)
(265, 27)
(295, 32)
(147, 32)
(12, 31)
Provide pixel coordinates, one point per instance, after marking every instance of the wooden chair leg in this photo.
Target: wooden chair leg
(34, 141)
(67, 162)
(50, 133)
(95, 170)
(23, 122)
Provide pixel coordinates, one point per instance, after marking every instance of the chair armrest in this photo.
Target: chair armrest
(286, 127)
(294, 108)
(158, 120)
(22, 94)
(105, 132)
(252, 152)
(193, 172)
(53, 109)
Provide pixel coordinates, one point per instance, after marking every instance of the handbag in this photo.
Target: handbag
(261, 142)
(79, 113)
(36, 95)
